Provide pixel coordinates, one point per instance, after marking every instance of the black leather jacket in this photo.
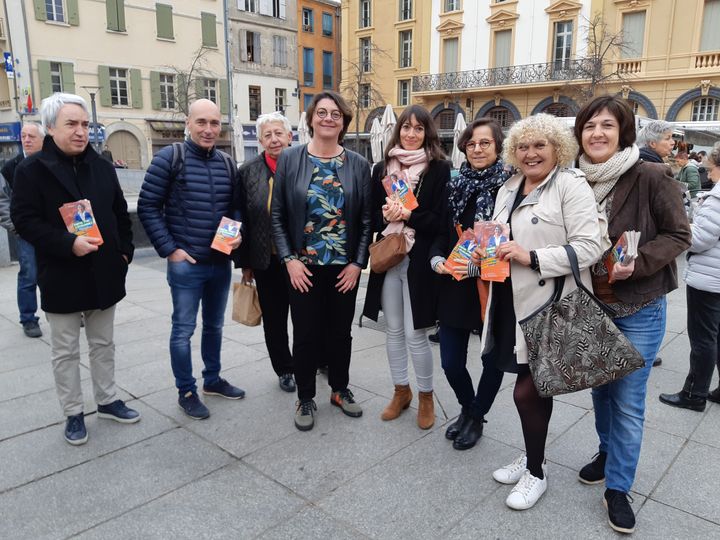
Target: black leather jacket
(292, 179)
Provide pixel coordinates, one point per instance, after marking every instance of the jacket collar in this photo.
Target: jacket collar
(513, 185)
(198, 150)
(63, 166)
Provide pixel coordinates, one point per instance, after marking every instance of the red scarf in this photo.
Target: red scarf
(272, 163)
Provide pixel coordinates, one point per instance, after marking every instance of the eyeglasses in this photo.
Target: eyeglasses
(482, 145)
(335, 115)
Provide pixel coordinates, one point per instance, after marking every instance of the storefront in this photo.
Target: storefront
(9, 141)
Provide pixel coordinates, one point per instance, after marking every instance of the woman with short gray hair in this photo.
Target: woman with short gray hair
(656, 141)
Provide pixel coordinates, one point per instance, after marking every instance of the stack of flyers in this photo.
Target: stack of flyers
(624, 251)
(397, 186)
(461, 254)
(80, 220)
(490, 235)
(227, 231)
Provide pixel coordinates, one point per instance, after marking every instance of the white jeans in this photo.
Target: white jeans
(65, 354)
(401, 335)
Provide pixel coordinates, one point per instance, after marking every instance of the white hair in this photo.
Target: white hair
(653, 132)
(39, 126)
(50, 107)
(269, 118)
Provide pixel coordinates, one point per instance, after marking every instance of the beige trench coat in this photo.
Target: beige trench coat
(561, 210)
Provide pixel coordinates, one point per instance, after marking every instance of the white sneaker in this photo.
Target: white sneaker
(510, 474)
(526, 492)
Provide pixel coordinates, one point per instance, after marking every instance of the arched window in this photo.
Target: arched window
(445, 119)
(376, 113)
(557, 109)
(705, 109)
(634, 105)
(502, 116)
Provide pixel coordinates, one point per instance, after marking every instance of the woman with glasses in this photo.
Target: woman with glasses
(321, 219)
(470, 197)
(406, 292)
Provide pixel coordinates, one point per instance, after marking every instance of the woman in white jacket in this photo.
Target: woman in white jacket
(702, 277)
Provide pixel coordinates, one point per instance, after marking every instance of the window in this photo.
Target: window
(364, 96)
(54, 10)
(307, 20)
(501, 115)
(254, 102)
(635, 106)
(445, 119)
(562, 49)
(503, 44)
(308, 67)
(405, 10)
(280, 99)
(56, 76)
(404, 93)
(167, 91)
(210, 90)
(248, 5)
(280, 51)
(557, 109)
(633, 31)
(406, 48)
(710, 37)
(365, 54)
(119, 87)
(278, 9)
(705, 110)
(252, 47)
(209, 29)
(450, 55)
(327, 70)
(115, 11)
(164, 17)
(365, 13)
(451, 5)
(327, 22)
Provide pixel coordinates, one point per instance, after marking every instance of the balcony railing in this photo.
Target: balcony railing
(504, 76)
(707, 60)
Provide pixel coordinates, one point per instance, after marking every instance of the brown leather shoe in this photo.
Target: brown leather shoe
(400, 401)
(426, 410)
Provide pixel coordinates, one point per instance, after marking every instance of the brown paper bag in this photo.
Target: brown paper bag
(246, 305)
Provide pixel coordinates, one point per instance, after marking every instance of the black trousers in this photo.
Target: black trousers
(703, 321)
(275, 304)
(322, 318)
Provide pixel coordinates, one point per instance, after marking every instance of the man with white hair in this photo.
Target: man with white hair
(31, 137)
(78, 275)
(257, 255)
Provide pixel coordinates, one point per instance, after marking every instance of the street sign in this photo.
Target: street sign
(9, 68)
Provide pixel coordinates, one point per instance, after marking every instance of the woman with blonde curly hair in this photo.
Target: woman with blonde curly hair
(547, 207)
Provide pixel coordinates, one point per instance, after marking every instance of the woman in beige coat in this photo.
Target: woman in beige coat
(547, 207)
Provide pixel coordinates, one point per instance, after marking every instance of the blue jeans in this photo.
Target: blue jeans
(620, 405)
(189, 285)
(27, 282)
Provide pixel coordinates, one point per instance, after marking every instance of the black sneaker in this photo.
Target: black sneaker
(714, 396)
(75, 432)
(118, 411)
(224, 389)
(192, 406)
(305, 415)
(286, 382)
(594, 472)
(32, 329)
(620, 514)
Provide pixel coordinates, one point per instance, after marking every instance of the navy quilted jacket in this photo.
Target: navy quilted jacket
(184, 212)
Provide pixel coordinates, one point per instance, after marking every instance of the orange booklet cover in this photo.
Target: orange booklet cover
(80, 220)
(490, 235)
(227, 231)
(397, 186)
(461, 254)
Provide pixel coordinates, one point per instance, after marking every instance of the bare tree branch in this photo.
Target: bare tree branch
(188, 78)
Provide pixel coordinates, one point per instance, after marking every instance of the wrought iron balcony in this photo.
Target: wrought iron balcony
(569, 70)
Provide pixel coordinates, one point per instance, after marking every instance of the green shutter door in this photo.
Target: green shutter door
(155, 90)
(111, 14)
(40, 11)
(121, 15)
(136, 89)
(104, 82)
(68, 77)
(43, 67)
(73, 15)
(223, 96)
(164, 17)
(209, 30)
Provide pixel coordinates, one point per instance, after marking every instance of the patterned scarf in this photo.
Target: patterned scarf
(602, 177)
(477, 185)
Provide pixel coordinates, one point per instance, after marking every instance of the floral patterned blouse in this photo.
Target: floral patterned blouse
(325, 228)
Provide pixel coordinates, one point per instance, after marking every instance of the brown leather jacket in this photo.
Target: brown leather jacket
(647, 199)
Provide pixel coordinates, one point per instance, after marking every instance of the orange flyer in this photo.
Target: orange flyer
(461, 254)
(227, 231)
(490, 235)
(80, 220)
(398, 186)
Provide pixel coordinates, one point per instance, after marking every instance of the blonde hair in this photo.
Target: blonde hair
(538, 127)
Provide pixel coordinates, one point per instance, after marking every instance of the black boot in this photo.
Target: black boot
(456, 427)
(714, 396)
(470, 434)
(684, 400)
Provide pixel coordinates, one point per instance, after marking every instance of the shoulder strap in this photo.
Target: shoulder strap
(178, 159)
(229, 165)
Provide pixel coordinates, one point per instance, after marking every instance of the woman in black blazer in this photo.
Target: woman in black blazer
(406, 292)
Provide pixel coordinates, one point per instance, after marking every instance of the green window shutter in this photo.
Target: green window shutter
(73, 15)
(199, 87)
(104, 82)
(43, 67)
(164, 17)
(209, 30)
(68, 77)
(136, 89)
(223, 96)
(112, 14)
(182, 94)
(155, 90)
(40, 10)
(121, 15)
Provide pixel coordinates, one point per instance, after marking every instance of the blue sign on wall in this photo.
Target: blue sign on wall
(10, 132)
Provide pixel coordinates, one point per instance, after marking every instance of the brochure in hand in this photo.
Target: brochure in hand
(490, 235)
(624, 251)
(80, 220)
(459, 257)
(397, 186)
(227, 231)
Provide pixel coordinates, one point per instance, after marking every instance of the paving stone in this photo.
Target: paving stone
(31, 353)
(681, 422)
(311, 522)
(155, 327)
(128, 312)
(708, 431)
(656, 520)
(29, 380)
(676, 356)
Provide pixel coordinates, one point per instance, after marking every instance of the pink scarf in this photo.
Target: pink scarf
(413, 163)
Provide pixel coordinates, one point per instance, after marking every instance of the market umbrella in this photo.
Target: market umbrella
(457, 155)
(376, 134)
(238, 140)
(387, 124)
(302, 129)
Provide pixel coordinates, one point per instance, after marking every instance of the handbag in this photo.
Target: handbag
(573, 343)
(387, 252)
(246, 304)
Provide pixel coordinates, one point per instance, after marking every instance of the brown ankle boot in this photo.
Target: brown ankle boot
(400, 401)
(426, 410)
